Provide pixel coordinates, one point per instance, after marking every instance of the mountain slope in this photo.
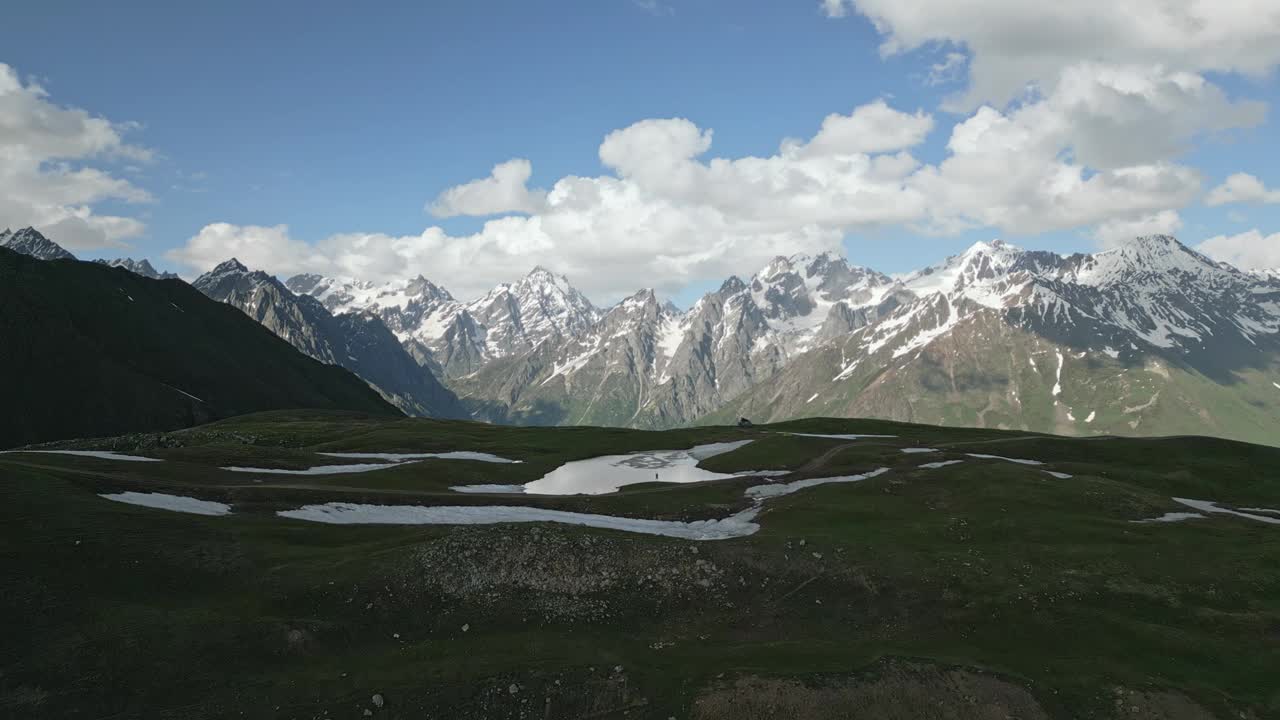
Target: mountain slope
(1150, 338)
(89, 351)
(359, 342)
(29, 241)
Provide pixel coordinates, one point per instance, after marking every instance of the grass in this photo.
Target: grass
(121, 611)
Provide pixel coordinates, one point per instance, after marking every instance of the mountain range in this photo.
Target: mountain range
(1149, 338)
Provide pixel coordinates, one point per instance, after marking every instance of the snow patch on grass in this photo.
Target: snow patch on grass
(176, 503)
(319, 469)
(761, 492)
(398, 457)
(851, 436)
(1208, 506)
(940, 464)
(1020, 461)
(1172, 517)
(737, 525)
(914, 450)
(100, 454)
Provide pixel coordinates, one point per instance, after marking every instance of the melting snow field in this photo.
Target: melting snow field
(942, 464)
(760, 492)
(840, 437)
(737, 525)
(176, 503)
(1059, 475)
(1171, 517)
(912, 451)
(399, 457)
(607, 473)
(1206, 506)
(1020, 461)
(319, 469)
(101, 454)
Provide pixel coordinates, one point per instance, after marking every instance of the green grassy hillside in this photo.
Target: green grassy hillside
(90, 350)
(982, 589)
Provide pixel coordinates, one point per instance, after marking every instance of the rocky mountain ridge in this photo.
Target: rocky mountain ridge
(358, 341)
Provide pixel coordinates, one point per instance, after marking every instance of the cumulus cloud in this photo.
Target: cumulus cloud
(872, 128)
(1016, 43)
(504, 191)
(43, 181)
(1242, 188)
(1115, 232)
(1248, 250)
(1095, 150)
(668, 215)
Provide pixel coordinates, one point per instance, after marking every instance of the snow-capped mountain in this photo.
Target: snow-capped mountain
(29, 241)
(648, 365)
(138, 267)
(1148, 337)
(357, 341)
(460, 338)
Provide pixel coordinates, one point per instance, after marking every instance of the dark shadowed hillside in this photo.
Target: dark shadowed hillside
(90, 350)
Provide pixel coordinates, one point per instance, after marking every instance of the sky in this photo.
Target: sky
(636, 143)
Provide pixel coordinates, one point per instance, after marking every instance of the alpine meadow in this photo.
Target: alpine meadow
(640, 360)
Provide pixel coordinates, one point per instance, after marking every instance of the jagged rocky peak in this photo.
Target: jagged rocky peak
(732, 285)
(227, 267)
(138, 267)
(427, 290)
(305, 283)
(29, 241)
(642, 302)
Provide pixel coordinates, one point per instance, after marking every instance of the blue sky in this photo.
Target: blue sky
(338, 118)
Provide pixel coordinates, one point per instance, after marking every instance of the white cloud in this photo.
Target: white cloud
(1242, 188)
(871, 128)
(1016, 43)
(1249, 250)
(668, 216)
(1095, 150)
(505, 190)
(836, 8)
(1114, 232)
(948, 70)
(42, 180)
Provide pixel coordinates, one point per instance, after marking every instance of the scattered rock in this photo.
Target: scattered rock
(466, 627)
(513, 689)
(378, 701)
